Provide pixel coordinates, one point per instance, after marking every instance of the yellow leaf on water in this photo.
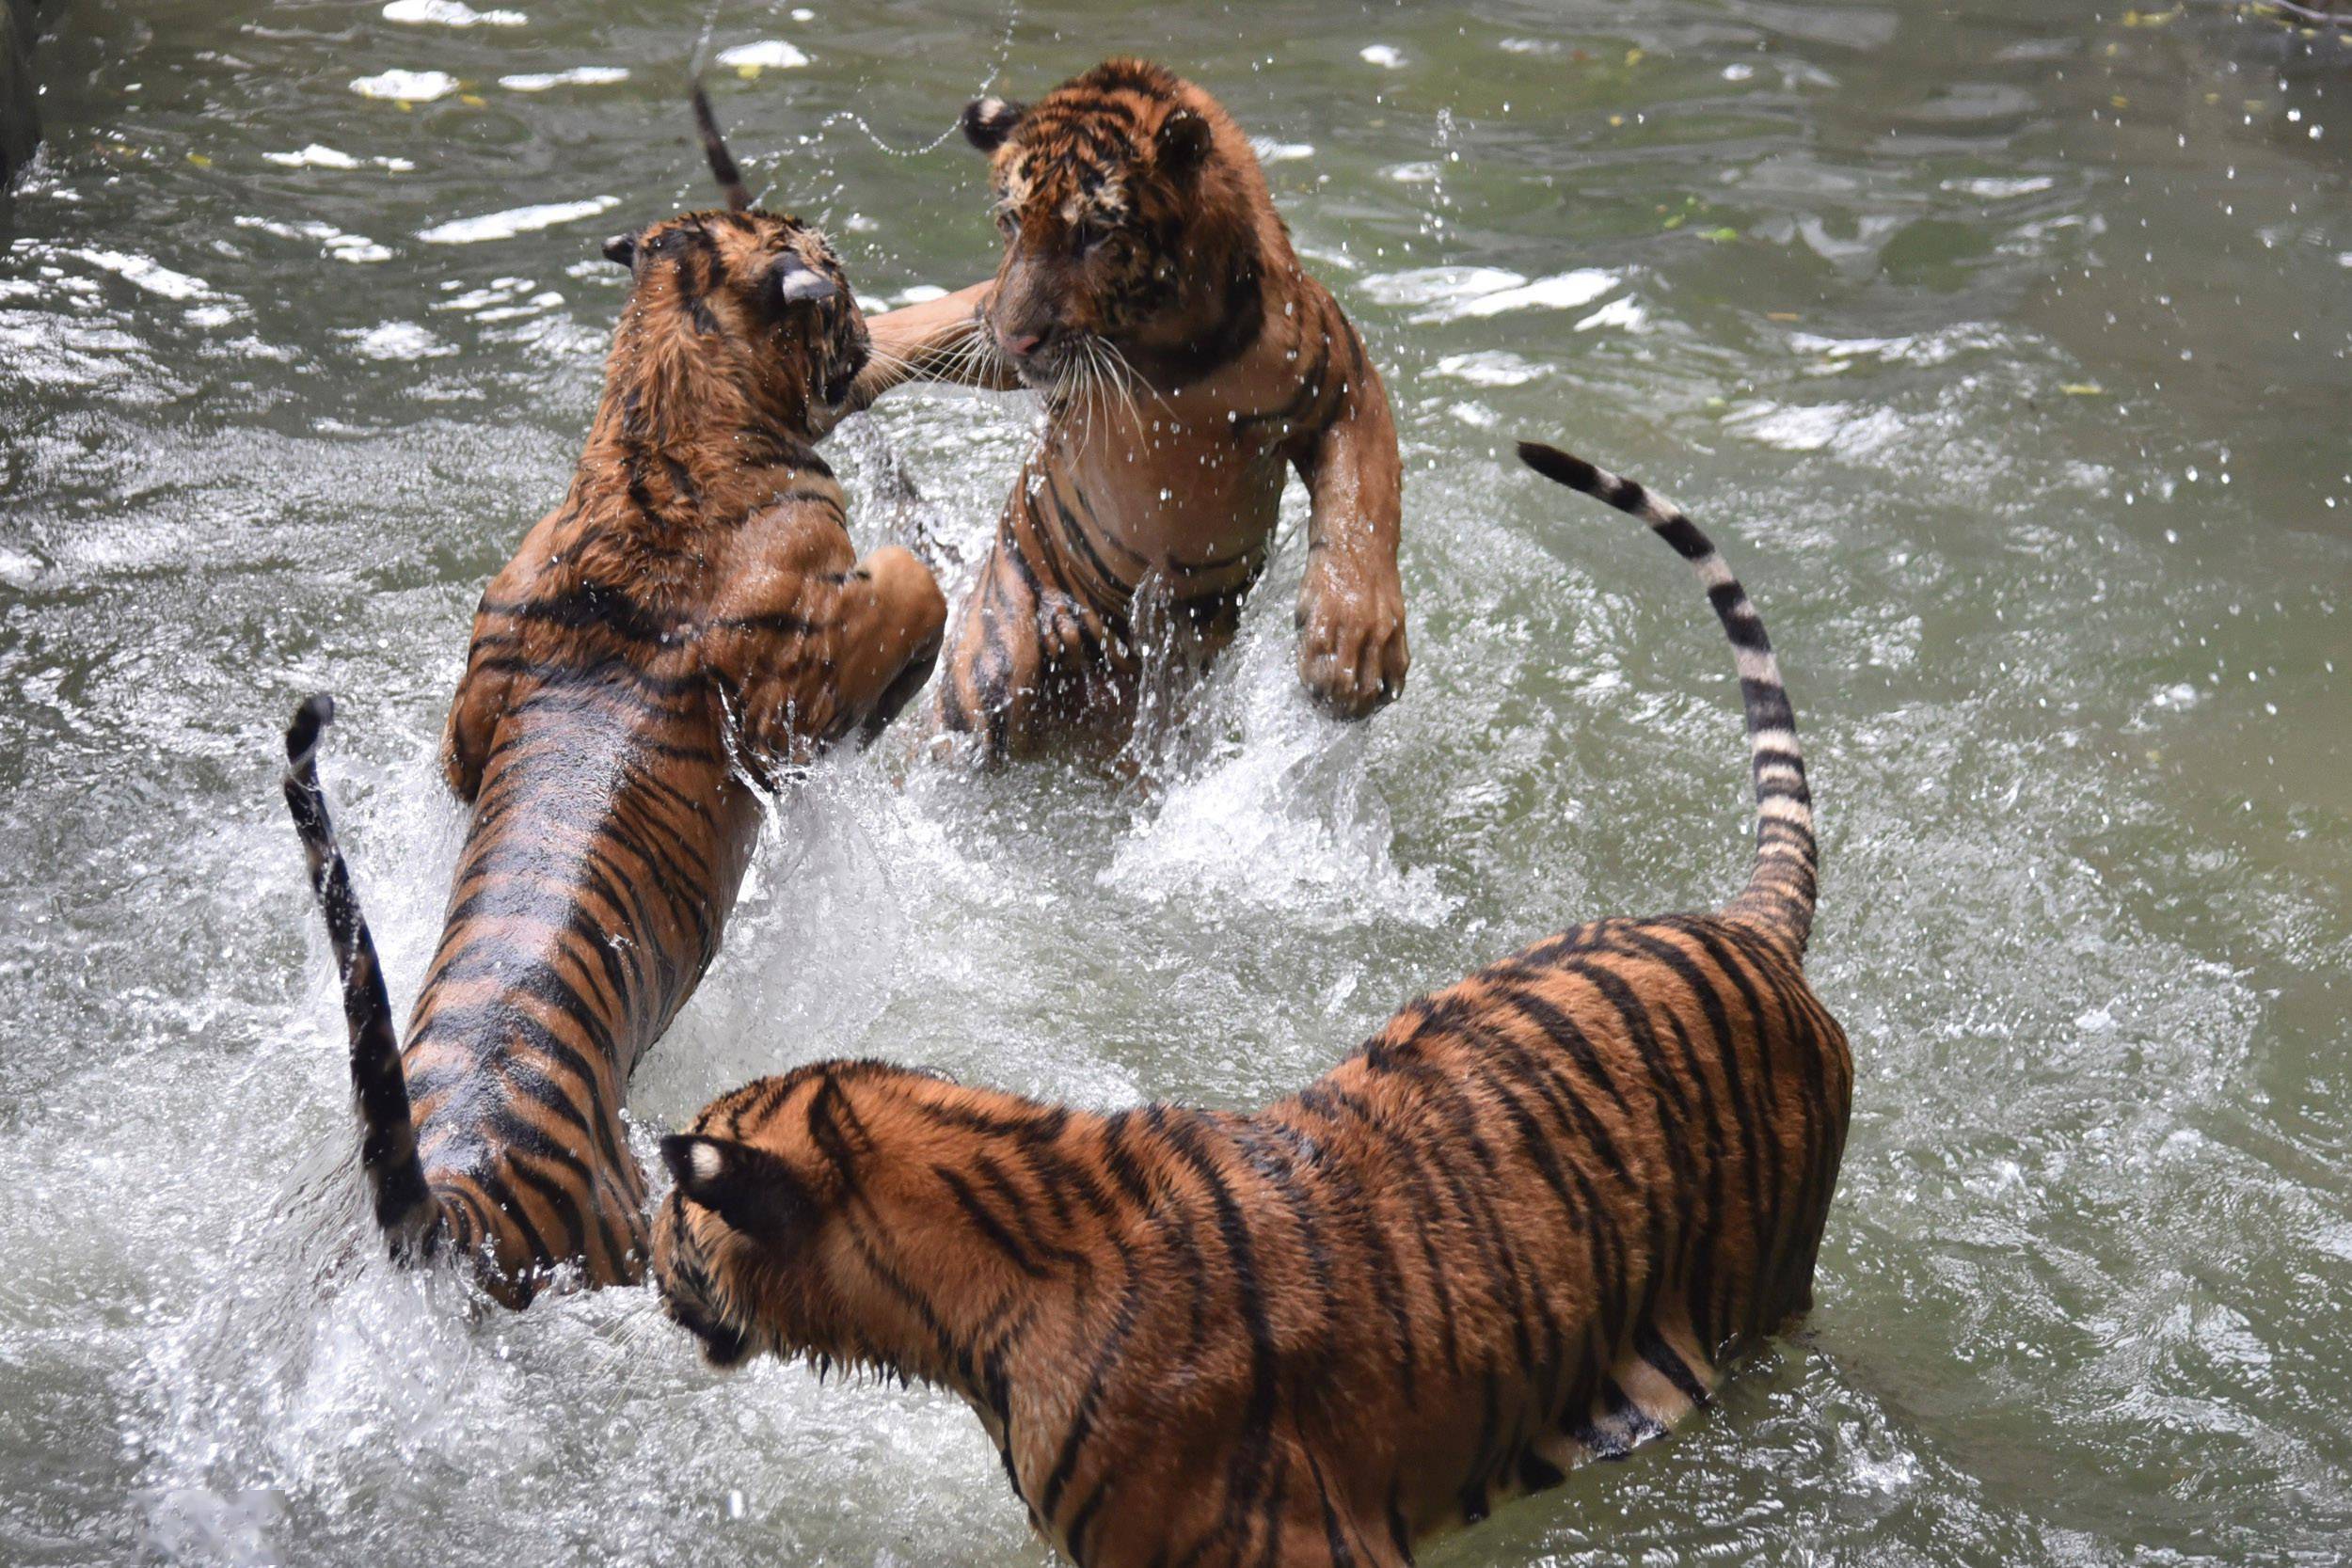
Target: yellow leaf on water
(2084, 389)
(2120, 101)
(749, 72)
(472, 100)
(1782, 316)
(1616, 119)
(200, 160)
(1633, 58)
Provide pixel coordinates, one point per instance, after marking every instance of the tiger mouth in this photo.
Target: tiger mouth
(723, 1346)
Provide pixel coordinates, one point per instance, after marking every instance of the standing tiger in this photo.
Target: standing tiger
(1148, 290)
(1526, 1225)
(689, 621)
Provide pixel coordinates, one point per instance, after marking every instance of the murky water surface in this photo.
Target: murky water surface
(2006, 352)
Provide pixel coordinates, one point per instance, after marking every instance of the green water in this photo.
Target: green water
(2003, 346)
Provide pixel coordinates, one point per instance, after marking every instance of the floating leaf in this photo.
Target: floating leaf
(2084, 389)
(1720, 236)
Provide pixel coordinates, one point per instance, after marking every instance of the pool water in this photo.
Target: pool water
(2006, 349)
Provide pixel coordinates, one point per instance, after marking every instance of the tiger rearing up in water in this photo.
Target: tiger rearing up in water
(1148, 290)
(1525, 1226)
(690, 621)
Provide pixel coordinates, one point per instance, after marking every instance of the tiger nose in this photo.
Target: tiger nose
(1019, 345)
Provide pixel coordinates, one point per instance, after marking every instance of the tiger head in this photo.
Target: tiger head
(748, 306)
(1135, 219)
(758, 1250)
(758, 295)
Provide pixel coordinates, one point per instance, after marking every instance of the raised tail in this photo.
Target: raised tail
(404, 1206)
(1779, 897)
(715, 149)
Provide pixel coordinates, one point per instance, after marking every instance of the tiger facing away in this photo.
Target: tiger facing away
(1148, 291)
(1526, 1225)
(688, 622)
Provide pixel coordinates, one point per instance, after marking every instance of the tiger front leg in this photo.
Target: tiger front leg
(897, 619)
(839, 656)
(1352, 648)
(1028, 661)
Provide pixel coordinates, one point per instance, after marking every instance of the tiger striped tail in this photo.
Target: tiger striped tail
(723, 165)
(404, 1206)
(1779, 898)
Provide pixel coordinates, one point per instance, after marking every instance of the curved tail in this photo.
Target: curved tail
(1779, 898)
(404, 1206)
(715, 149)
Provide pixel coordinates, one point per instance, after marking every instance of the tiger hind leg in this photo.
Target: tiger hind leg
(1661, 1377)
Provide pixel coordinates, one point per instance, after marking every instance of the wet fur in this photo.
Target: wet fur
(691, 621)
(1188, 361)
(1526, 1225)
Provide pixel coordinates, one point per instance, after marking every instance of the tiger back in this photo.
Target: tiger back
(1527, 1225)
(690, 622)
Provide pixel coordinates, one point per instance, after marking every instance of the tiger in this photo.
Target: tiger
(1529, 1223)
(687, 626)
(1148, 290)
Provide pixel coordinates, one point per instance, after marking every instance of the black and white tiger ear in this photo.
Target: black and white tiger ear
(798, 283)
(1183, 141)
(987, 121)
(747, 1187)
(621, 250)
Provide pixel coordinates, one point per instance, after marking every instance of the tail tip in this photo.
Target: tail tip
(1559, 467)
(302, 735)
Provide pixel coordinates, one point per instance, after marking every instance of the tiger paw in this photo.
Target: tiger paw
(1352, 651)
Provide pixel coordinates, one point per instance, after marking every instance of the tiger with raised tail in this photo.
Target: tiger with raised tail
(1528, 1225)
(688, 623)
(1189, 362)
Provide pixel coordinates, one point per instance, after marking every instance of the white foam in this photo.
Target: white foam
(1839, 427)
(449, 13)
(767, 54)
(577, 76)
(405, 86)
(921, 294)
(1993, 189)
(399, 341)
(151, 275)
(1387, 57)
(320, 155)
(1626, 313)
(1563, 291)
(339, 245)
(1490, 367)
(515, 220)
(1461, 293)
(1424, 285)
(1272, 151)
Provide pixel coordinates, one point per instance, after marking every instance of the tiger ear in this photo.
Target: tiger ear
(987, 121)
(798, 283)
(1183, 141)
(621, 250)
(749, 1188)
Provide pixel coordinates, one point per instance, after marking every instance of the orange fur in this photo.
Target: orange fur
(1188, 360)
(690, 621)
(1525, 1226)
